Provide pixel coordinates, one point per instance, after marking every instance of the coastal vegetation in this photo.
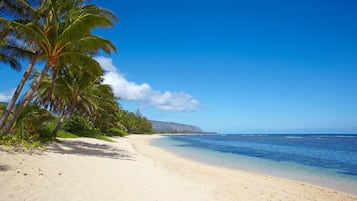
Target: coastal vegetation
(66, 96)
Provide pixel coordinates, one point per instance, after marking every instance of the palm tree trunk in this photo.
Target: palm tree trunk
(27, 98)
(64, 114)
(50, 91)
(18, 90)
(58, 126)
(60, 122)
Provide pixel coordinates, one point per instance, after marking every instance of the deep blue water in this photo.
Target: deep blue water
(334, 155)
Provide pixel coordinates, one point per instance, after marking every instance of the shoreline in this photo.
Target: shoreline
(294, 171)
(179, 164)
(132, 169)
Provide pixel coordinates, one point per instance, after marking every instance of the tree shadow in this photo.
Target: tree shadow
(89, 149)
(4, 168)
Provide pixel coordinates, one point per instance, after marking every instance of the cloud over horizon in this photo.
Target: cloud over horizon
(143, 93)
(6, 96)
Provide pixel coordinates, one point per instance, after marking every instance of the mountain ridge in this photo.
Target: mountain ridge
(172, 127)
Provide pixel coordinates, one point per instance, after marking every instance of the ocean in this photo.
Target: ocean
(326, 160)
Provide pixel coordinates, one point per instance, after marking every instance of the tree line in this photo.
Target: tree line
(56, 40)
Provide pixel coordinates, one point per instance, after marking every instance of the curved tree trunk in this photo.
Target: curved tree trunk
(60, 122)
(50, 91)
(18, 90)
(27, 98)
(68, 112)
(58, 126)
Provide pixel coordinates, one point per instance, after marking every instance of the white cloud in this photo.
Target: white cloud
(6, 96)
(143, 93)
(106, 63)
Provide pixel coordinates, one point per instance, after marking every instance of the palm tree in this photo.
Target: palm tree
(11, 49)
(64, 38)
(81, 91)
(106, 115)
(72, 92)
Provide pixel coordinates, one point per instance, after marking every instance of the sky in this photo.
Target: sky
(233, 66)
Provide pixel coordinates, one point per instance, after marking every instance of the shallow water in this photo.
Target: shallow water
(327, 160)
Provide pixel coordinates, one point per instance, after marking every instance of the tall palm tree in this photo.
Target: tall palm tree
(14, 46)
(76, 90)
(64, 37)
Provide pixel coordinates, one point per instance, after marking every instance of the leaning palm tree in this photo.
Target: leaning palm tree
(64, 39)
(14, 45)
(72, 92)
(80, 90)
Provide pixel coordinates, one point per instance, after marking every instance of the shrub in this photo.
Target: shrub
(76, 124)
(61, 133)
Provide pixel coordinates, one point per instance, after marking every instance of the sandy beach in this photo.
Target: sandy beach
(131, 169)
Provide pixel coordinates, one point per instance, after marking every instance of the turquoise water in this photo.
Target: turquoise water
(326, 160)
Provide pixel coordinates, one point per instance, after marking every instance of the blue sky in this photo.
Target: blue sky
(234, 66)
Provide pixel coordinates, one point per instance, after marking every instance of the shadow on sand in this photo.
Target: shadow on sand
(89, 149)
(4, 168)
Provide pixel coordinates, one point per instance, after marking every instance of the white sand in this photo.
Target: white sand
(131, 169)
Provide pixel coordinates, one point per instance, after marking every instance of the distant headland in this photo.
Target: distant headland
(171, 127)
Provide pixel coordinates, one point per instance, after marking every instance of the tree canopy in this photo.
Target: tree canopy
(57, 40)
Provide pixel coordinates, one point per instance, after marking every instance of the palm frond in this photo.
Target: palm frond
(90, 8)
(80, 59)
(82, 26)
(18, 8)
(92, 44)
(32, 31)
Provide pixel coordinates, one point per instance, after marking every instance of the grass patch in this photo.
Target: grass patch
(94, 134)
(64, 134)
(104, 138)
(61, 133)
(116, 132)
(82, 133)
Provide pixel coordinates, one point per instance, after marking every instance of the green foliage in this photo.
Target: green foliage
(8, 140)
(30, 129)
(135, 122)
(53, 31)
(77, 124)
(104, 138)
(117, 132)
(64, 134)
(2, 109)
(22, 141)
(44, 135)
(82, 127)
(61, 133)
(33, 120)
(59, 34)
